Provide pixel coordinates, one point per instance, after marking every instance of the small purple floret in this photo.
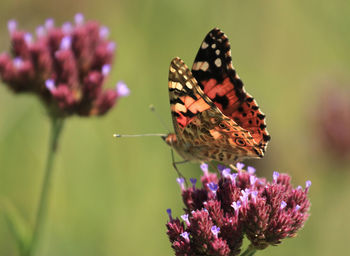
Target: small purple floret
(221, 167)
(226, 172)
(215, 230)
(204, 167)
(66, 43)
(67, 28)
(308, 184)
(40, 31)
(236, 205)
(251, 170)
(169, 213)
(213, 187)
(181, 182)
(79, 19)
(106, 69)
(122, 89)
(283, 205)
(193, 182)
(50, 84)
(11, 26)
(254, 195)
(252, 179)
(111, 46)
(186, 236)
(184, 217)
(239, 166)
(49, 24)
(28, 38)
(17, 62)
(104, 32)
(275, 176)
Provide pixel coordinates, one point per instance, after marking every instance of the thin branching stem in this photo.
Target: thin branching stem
(56, 128)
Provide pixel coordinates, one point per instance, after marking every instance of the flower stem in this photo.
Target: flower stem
(56, 128)
(250, 251)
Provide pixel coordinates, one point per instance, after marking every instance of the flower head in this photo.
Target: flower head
(65, 66)
(219, 214)
(334, 124)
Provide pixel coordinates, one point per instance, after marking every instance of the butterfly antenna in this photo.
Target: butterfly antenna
(153, 109)
(116, 135)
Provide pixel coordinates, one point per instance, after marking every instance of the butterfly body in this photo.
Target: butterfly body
(213, 117)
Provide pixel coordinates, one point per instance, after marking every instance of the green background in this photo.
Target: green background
(109, 196)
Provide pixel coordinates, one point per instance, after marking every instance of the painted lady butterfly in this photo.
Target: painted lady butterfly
(214, 117)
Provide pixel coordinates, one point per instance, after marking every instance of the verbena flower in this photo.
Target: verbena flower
(225, 208)
(65, 66)
(334, 122)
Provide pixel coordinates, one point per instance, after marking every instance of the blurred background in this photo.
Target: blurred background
(109, 196)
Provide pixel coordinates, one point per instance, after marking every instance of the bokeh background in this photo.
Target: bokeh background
(109, 196)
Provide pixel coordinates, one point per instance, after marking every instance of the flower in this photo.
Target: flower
(332, 116)
(65, 66)
(224, 209)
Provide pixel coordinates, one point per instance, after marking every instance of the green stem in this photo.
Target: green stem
(56, 128)
(250, 251)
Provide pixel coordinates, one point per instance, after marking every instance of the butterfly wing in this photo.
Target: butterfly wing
(186, 98)
(218, 79)
(200, 126)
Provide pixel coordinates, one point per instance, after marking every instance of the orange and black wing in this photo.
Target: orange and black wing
(215, 74)
(186, 98)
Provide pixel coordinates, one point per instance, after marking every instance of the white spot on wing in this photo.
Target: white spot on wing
(213, 46)
(189, 85)
(218, 62)
(217, 52)
(201, 65)
(179, 86)
(205, 66)
(204, 45)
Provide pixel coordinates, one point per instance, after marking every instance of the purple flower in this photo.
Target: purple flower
(215, 230)
(204, 167)
(213, 187)
(193, 182)
(253, 179)
(185, 218)
(333, 125)
(222, 167)
(236, 205)
(181, 182)
(283, 205)
(251, 170)
(122, 89)
(186, 236)
(169, 213)
(308, 184)
(275, 176)
(12, 26)
(223, 211)
(64, 66)
(239, 166)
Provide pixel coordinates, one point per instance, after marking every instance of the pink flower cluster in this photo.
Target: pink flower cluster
(334, 122)
(65, 66)
(223, 210)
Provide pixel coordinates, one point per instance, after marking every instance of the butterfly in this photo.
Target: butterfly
(214, 118)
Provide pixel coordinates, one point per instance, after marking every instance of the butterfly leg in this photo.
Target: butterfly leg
(175, 166)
